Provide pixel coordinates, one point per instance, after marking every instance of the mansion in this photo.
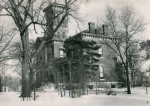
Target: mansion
(54, 50)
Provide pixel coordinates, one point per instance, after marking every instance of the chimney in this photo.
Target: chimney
(91, 27)
(105, 29)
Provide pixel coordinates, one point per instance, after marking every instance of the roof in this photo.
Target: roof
(40, 39)
(86, 33)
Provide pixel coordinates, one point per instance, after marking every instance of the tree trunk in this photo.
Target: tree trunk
(70, 78)
(5, 80)
(57, 81)
(134, 79)
(87, 87)
(0, 84)
(128, 81)
(82, 77)
(146, 82)
(25, 79)
(64, 81)
(34, 91)
(96, 85)
(146, 88)
(26, 91)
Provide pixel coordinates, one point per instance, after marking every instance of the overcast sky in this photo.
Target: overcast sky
(95, 9)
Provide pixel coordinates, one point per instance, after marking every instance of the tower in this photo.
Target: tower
(54, 14)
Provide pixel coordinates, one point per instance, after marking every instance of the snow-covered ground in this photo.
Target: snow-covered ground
(51, 98)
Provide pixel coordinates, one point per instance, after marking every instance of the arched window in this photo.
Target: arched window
(101, 70)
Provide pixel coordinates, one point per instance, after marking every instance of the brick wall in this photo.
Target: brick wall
(106, 60)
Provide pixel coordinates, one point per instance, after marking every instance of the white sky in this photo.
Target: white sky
(96, 9)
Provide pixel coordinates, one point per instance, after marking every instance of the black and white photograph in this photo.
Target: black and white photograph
(74, 52)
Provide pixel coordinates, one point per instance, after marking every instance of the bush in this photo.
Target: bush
(110, 92)
(90, 86)
(67, 87)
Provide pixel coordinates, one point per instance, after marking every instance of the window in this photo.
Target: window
(63, 35)
(84, 52)
(101, 70)
(100, 50)
(66, 23)
(58, 19)
(58, 34)
(61, 53)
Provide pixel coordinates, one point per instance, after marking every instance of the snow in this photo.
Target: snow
(49, 97)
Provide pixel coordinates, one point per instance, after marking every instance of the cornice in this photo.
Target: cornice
(96, 36)
(58, 40)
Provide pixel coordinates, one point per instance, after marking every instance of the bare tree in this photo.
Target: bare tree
(24, 14)
(123, 28)
(1, 77)
(145, 46)
(5, 40)
(34, 64)
(135, 61)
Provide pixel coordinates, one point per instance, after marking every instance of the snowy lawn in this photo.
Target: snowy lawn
(51, 98)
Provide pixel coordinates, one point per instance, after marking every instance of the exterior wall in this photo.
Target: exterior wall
(62, 33)
(56, 49)
(52, 49)
(51, 11)
(107, 60)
